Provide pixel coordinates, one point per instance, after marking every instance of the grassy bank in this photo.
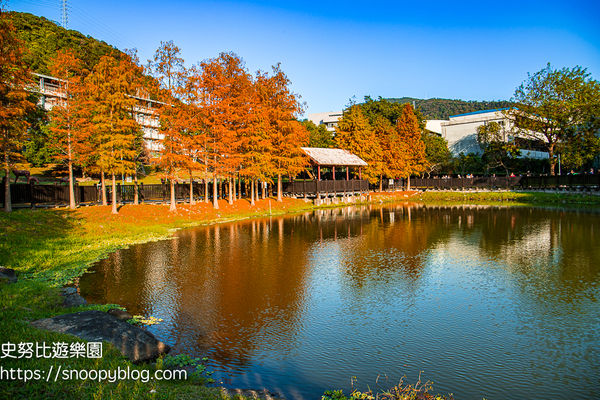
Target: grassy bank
(506, 198)
(50, 248)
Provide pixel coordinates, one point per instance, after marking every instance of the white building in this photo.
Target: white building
(52, 92)
(329, 119)
(461, 133)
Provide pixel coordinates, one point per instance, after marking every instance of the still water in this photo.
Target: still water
(500, 303)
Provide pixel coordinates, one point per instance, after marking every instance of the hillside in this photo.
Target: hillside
(443, 108)
(43, 38)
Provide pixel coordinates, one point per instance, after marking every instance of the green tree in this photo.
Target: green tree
(497, 151)
(557, 107)
(319, 136)
(436, 152)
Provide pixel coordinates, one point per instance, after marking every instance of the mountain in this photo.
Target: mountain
(43, 38)
(443, 108)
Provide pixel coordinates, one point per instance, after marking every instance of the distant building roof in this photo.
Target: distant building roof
(333, 157)
(479, 112)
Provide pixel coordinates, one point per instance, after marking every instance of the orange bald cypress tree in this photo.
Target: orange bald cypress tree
(226, 86)
(68, 135)
(115, 133)
(15, 101)
(169, 69)
(355, 134)
(409, 136)
(279, 108)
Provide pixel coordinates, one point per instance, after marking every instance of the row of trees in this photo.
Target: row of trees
(218, 120)
(387, 135)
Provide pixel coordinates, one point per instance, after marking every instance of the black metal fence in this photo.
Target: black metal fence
(591, 182)
(315, 188)
(49, 195)
(33, 195)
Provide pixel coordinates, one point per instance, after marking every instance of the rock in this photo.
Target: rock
(8, 274)
(71, 298)
(135, 343)
(120, 314)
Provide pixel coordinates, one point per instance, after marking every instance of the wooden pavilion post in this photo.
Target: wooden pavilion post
(359, 173)
(319, 172)
(347, 174)
(333, 171)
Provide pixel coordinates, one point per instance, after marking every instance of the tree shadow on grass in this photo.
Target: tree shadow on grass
(37, 241)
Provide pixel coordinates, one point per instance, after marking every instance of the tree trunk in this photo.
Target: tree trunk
(7, 199)
(380, 183)
(552, 160)
(191, 189)
(264, 188)
(215, 196)
(229, 191)
(234, 188)
(239, 187)
(72, 204)
(103, 189)
(136, 189)
(206, 190)
(279, 198)
(173, 206)
(252, 192)
(408, 182)
(114, 195)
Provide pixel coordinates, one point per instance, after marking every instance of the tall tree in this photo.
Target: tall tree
(556, 106)
(355, 134)
(168, 66)
(15, 101)
(393, 150)
(109, 92)
(287, 135)
(68, 137)
(226, 84)
(409, 133)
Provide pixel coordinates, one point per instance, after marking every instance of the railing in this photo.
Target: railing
(58, 194)
(516, 182)
(314, 188)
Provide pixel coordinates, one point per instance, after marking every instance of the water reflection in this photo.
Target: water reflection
(480, 298)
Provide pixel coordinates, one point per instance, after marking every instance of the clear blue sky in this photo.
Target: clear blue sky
(333, 50)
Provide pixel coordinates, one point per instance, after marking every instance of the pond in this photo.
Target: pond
(491, 302)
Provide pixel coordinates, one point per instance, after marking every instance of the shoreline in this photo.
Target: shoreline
(52, 248)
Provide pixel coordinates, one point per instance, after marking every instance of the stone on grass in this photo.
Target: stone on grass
(8, 274)
(134, 342)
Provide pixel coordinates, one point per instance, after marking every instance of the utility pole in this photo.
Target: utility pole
(65, 14)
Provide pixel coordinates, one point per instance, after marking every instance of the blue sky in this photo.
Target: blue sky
(333, 50)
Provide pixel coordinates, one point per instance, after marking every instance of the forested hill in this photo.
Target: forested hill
(443, 108)
(43, 38)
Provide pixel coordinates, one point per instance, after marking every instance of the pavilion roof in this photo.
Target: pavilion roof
(333, 157)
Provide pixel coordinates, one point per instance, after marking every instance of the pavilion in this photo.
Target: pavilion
(332, 158)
